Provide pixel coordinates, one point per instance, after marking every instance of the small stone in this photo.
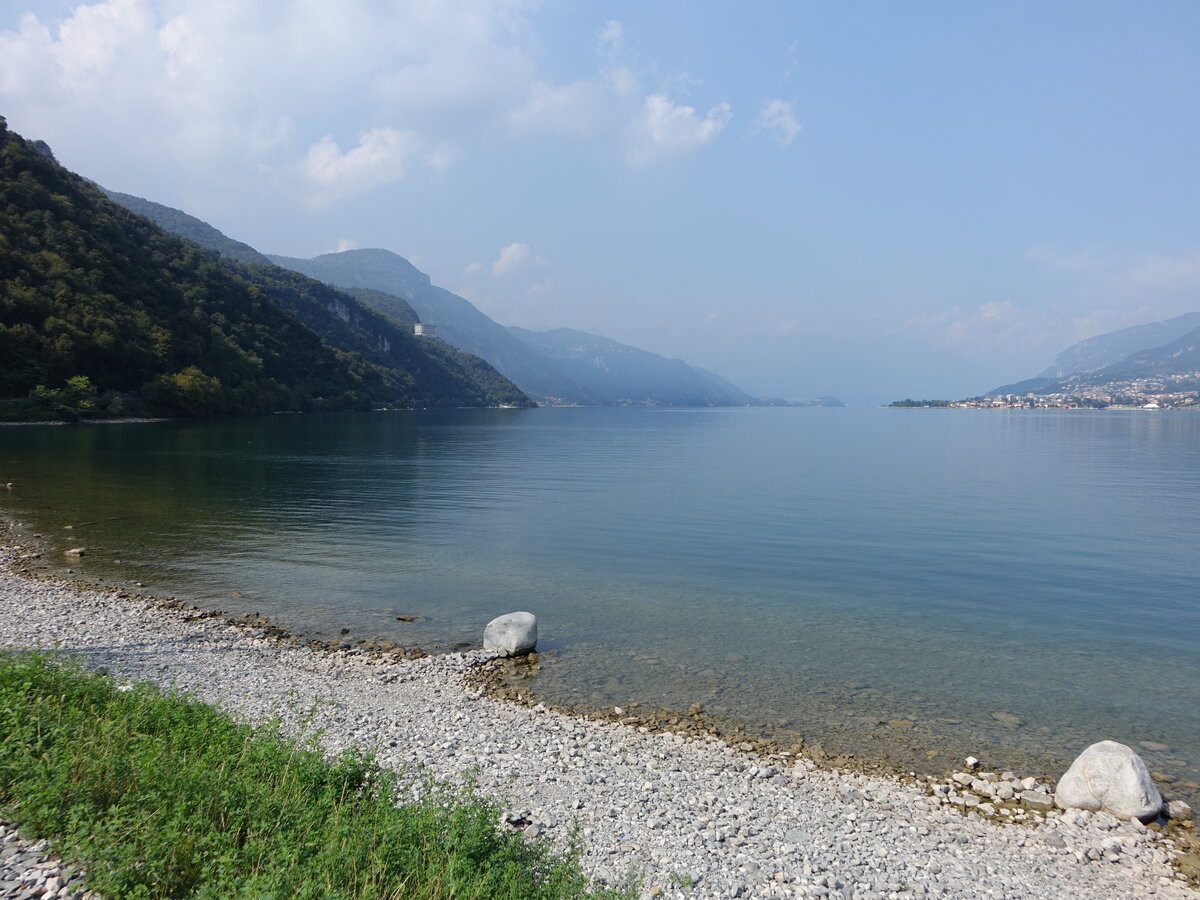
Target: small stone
(1053, 838)
(1037, 799)
(1154, 746)
(76, 551)
(1177, 809)
(972, 762)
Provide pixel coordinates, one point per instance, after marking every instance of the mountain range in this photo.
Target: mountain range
(103, 313)
(367, 307)
(558, 366)
(1155, 350)
(562, 366)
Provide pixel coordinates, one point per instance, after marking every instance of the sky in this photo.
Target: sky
(874, 200)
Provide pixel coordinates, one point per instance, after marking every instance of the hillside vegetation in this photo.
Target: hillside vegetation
(102, 313)
(424, 373)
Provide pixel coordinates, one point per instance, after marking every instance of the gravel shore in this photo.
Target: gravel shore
(689, 817)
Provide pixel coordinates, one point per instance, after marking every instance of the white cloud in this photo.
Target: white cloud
(995, 324)
(471, 76)
(622, 80)
(226, 87)
(540, 289)
(574, 109)
(663, 129)
(611, 37)
(441, 157)
(777, 118)
(345, 244)
(474, 268)
(382, 156)
(584, 107)
(514, 258)
(793, 53)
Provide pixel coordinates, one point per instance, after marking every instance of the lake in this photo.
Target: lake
(914, 585)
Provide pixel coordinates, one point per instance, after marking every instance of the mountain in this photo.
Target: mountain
(615, 373)
(1179, 357)
(104, 313)
(561, 366)
(411, 370)
(1166, 351)
(180, 223)
(1104, 350)
(420, 371)
(457, 320)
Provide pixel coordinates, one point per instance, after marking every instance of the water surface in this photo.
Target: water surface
(1017, 584)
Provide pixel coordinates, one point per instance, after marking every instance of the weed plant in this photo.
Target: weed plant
(161, 796)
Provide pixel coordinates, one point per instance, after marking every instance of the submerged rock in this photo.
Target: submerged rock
(1111, 777)
(514, 633)
(1179, 810)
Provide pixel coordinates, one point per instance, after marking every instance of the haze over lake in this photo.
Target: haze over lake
(1016, 585)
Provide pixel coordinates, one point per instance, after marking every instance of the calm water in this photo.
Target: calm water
(810, 571)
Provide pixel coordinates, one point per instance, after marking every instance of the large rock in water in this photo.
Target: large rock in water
(514, 634)
(1109, 776)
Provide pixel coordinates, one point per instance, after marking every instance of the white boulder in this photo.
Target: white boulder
(514, 633)
(1109, 776)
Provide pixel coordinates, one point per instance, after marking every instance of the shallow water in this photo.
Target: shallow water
(1016, 584)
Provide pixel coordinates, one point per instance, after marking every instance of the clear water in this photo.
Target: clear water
(809, 571)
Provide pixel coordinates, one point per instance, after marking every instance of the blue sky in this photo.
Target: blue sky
(876, 200)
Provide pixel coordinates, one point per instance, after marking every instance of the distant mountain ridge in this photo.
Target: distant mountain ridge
(1158, 349)
(456, 318)
(559, 366)
(616, 373)
(1104, 350)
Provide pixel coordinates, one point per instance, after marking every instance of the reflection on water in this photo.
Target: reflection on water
(813, 571)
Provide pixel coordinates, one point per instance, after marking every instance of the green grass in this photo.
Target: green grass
(159, 795)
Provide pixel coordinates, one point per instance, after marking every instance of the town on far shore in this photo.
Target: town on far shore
(1175, 391)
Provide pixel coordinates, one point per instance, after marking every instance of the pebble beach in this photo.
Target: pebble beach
(685, 816)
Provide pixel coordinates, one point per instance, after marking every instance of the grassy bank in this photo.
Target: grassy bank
(162, 796)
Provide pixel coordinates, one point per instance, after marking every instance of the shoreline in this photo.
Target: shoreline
(890, 741)
(695, 815)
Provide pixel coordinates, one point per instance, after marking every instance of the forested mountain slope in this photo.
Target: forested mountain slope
(424, 373)
(103, 313)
